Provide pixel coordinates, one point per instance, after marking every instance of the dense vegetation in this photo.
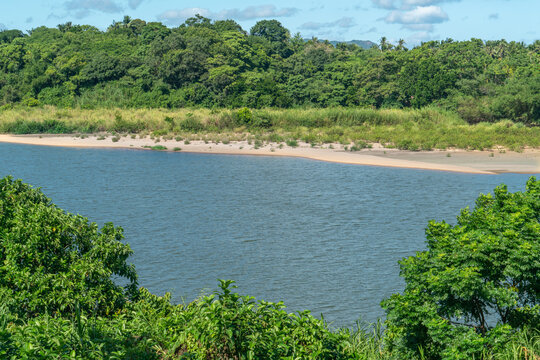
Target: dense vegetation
(58, 299)
(216, 64)
(409, 129)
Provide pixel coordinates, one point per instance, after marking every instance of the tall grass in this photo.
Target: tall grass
(424, 129)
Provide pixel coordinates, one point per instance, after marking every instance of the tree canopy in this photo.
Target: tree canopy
(54, 262)
(475, 284)
(208, 63)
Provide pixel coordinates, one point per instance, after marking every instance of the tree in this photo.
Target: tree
(7, 36)
(476, 282)
(401, 45)
(222, 26)
(54, 262)
(101, 68)
(384, 44)
(272, 30)
(198, 20)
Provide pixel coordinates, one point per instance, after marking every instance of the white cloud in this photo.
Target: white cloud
(385, 4)
(413, 3)
(256, 12)
(419, 15)
(249, 13)
(419, 37)
(419, 27)
(344, 22)
(133, 4)
(179, 16)
(406, 4)
(83, 7)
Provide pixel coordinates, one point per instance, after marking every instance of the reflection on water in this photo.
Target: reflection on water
(316, 235)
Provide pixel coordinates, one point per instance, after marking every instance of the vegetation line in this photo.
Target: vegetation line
(409, 129)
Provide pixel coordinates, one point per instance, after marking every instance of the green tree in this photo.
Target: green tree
(272, 30)
(477, 281)
(55, 262)
(7, 36)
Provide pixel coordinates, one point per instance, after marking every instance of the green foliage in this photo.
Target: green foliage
(156, 147)
(205, 63)
(226, 325)
(292, 143)
(244, 116)
(54, 262)
(7, 36)
(122, 125)
(37, 127)
(475, 285)
(191, 124)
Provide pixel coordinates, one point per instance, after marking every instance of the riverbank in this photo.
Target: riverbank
(412, 129)
(477, 162)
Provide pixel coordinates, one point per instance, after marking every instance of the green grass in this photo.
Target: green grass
(424, 129)
(156, 147)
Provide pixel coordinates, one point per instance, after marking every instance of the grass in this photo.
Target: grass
(424, 129)
(156, 147)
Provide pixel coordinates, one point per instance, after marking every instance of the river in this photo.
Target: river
(316, 235)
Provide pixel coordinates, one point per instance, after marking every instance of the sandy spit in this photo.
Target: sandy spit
(475, 162)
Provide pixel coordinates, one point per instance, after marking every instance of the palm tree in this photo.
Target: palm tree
(383, 44)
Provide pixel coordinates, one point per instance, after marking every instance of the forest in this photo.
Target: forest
(217, 64)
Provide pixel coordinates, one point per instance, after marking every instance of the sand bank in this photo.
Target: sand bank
(476, 162)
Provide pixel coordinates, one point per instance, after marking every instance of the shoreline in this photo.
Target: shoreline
(461, 161)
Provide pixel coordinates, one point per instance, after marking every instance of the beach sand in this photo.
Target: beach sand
(476, 162)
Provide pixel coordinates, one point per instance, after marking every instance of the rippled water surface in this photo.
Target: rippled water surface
(319, 236)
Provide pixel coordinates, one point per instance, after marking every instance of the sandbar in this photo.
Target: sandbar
(473, 162)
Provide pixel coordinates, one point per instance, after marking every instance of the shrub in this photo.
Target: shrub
(244, 116)
(31, 102)
(49, 126)
(477, 282)
(292, 143)
(53, 261)
(191, 124)
(226, 325)
(169, 121)
(122, 125)
(156, 147)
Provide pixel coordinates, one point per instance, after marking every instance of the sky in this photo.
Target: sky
(412, 20)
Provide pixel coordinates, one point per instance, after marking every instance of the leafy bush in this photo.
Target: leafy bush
(31, 102)
(477, 282)
(155, 147)
(49, 126)
(190, 123)
(53, 261)
(122, 125)
(226, 325)
(244, 116)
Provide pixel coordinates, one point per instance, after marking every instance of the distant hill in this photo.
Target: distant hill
(366, 44)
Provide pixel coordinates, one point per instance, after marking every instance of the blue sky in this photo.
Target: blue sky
(412, 20)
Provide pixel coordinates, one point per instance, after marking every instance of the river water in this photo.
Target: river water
(319, 236)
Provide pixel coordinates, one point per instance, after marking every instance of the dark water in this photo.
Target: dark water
(316, 235)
